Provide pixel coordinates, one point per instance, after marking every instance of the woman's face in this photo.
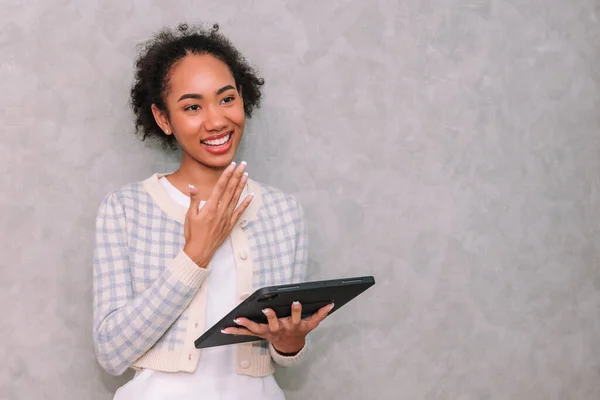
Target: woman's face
(205, 109)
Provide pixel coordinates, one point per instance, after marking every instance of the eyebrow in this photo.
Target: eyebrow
(200, 97)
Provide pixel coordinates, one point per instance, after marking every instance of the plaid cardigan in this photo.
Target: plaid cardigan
(150, 298)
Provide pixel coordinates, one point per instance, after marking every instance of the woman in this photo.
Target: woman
(167, 265)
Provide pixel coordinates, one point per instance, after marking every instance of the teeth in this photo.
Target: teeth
(217, 142)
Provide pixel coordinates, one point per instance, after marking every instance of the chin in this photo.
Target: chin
(217, 162)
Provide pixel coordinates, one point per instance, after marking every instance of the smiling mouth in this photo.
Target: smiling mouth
(219, 141)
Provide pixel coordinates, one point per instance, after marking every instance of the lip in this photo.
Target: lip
(215, 137)
(222, 149)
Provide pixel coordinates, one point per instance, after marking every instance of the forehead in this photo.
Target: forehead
(201, 74)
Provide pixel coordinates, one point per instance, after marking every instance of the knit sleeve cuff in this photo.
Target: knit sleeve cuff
(284, 361)
(187, 271)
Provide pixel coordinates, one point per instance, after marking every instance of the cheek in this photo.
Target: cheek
(185, 124)
(237, 115)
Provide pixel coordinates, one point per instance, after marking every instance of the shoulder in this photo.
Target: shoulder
(128, 197)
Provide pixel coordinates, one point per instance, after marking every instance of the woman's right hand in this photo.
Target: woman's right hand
(207, 228)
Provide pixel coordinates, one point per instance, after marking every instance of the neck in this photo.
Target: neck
(191, 172)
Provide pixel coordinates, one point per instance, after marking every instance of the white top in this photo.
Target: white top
(215, 377)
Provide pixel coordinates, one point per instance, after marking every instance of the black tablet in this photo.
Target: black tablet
(312, 296)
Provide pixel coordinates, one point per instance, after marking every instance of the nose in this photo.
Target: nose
(215, 119)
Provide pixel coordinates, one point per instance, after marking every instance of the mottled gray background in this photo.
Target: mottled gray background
(449, 147)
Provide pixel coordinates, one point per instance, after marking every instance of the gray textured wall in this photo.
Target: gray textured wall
(449, 147)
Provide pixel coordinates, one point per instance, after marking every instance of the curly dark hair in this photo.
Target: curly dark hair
(157, 56)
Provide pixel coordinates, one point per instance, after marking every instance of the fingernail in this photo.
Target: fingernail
(296, 303)
(191, 186)
(331, 306)
(265, 311)
(236, 321)
(243, 162)
(224, 331)
(245, 174)
(233, 164)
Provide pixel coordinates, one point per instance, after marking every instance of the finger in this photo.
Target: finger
(296, 313)
(194, 200)
(238, 192)
(227, 201)
(252, 326)
(221, 185)
(239, 331)
(272, 319)
(242, 208)
(319, 316)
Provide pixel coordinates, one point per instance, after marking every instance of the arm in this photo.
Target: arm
(301, 255)
(299, 274)
(127, 326)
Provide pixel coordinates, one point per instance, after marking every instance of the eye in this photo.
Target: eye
(228, 99)
(193, 107)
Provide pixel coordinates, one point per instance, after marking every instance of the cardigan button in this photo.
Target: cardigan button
(245, 364)
(243, 254)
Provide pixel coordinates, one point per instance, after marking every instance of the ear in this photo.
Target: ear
(161, 119)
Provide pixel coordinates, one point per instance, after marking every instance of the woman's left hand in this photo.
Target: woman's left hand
(287, 335)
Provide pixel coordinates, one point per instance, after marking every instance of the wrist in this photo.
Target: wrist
(198, 259)
(289, 350)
